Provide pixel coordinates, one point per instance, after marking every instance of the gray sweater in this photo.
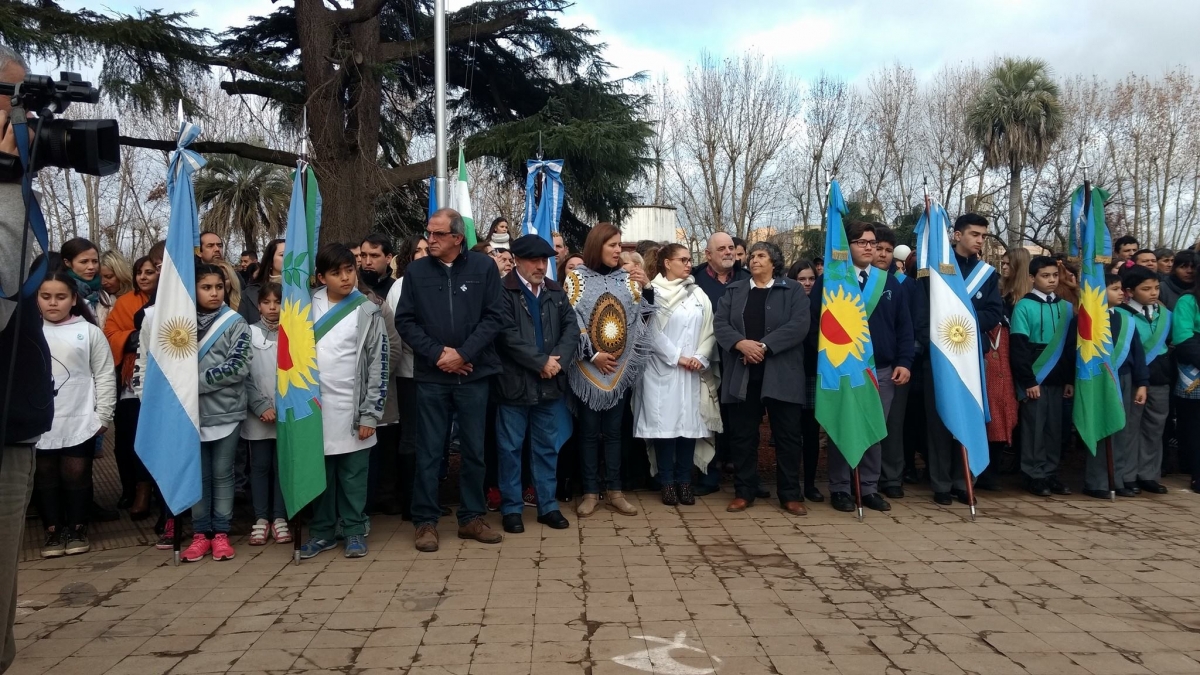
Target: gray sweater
(223, 374)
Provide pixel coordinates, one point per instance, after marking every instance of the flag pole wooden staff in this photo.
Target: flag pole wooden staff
(302, 165)
(967, 479)
(858, 494)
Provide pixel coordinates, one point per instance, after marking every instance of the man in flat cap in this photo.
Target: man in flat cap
(538, 341)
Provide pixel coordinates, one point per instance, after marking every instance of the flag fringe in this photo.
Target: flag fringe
(923, 273)
(840, 255)
(946, 268)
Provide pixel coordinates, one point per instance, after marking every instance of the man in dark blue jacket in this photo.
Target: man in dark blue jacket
(892, 340)
(450, 311)
(983, 285)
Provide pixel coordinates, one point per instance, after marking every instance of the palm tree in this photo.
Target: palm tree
(245, 196)
(1014, 119)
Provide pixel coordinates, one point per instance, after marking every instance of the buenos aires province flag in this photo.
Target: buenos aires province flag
(168, 433)
(848, 403)
(954, 340)
(460, 199)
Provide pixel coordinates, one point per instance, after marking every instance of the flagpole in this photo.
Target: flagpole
(858, 494)
(176, 539)
(294, 526)
(439, 89)
(1108, 450)
(967, 477)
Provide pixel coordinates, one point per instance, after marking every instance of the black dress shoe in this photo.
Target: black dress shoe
(1133, 487)
(1125, 492)
(961, 496)
(812, 494)
(703, 490)
(762, 494)
(876, 503)
(943, 498)
(99, 514)
(1096, 494)
(1056, 486)
(513, 523)
(555, 520)
(842, 501)
(1153, 487)
(894, 492)
(1039, 487)
(987, 482)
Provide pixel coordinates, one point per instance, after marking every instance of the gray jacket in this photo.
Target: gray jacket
(374, 366)
(787, 323)
(224, 371)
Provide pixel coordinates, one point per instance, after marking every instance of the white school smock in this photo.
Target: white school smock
(337, 359)
(264, 369)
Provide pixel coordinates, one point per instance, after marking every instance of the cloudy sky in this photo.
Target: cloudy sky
(1109, 38)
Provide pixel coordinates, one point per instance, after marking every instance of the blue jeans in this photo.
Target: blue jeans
(592, 425)
(549, 425)
(212, 513)
(265, 492)
(436, 404)
(674, 457)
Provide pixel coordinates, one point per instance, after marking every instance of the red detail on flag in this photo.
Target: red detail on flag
(285, 354)
(1085, 324)
(871, 374)
(832, 330)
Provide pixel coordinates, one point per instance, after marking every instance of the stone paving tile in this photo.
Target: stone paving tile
(1057, 586)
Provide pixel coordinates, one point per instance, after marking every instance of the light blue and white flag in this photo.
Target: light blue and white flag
(542, 219)
(168, 434)
(954, 341)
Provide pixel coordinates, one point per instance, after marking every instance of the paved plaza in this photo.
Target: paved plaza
(1067, 586)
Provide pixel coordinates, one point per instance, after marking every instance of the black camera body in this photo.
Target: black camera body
(85, 146)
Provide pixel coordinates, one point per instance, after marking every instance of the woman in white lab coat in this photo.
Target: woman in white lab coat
(676, 403)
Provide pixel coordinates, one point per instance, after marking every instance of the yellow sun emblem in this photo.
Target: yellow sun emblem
(297, 347)
(844, 329)
(957, 333)
(1095, 333)
(177, 337)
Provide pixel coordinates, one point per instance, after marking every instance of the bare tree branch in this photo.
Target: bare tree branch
(246, 150)
(275, 92)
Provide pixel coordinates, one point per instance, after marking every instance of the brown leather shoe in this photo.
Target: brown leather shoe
(737, 506)
(426, 538)
(795, 508)
(479, 531)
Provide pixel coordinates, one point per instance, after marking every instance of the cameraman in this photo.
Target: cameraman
(31, 410)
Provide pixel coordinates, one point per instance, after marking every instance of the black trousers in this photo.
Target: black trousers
(744, 418)
(406, 457)
(811, 433)
(1188, 425)
(62, 484)
(129, 465)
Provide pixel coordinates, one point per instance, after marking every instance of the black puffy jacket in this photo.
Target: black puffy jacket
(521, 382)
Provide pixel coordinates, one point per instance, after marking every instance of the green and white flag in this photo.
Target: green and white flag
(460, 199)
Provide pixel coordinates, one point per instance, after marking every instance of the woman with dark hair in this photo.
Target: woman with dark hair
(81, 261)
(805, 274)
(675, 403)
(615, 344)
(412, 248)
(1185, 335)
(123, 331)
(760, 324)
(270, 270)
(498, 235)
(571, 261)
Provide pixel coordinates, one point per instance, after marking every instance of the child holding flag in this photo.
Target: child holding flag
(224, 355)
(1147, 422)
(1129, 361)
(352, 357)
(259, 427)
(1042, 347)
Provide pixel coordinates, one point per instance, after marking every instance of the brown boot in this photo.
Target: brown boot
(479, 531)
(141, 502)
(426, 538)
(587, 506)
(617, 502)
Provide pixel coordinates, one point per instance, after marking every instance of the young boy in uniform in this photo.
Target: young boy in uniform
(1130, 362)
(1146, 424)
(1042, 354)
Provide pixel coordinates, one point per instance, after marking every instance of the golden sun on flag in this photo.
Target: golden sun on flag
(178, 337)
(1094, 329)
(844, 329)
(297, 348)
(957, 333)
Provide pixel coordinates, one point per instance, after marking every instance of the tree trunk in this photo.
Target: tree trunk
(1015, 235)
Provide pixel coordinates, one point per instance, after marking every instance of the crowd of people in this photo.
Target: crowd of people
(634, 369)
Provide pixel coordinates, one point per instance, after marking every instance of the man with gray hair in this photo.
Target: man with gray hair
(30, 411)
(450, 310)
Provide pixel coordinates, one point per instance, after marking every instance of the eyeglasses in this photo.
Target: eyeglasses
(685, 261)
(430, 234)
(865, 243)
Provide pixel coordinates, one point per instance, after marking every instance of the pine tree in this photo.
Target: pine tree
(364, 73)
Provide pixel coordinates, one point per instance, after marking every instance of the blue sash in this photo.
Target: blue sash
(224, 320)
(1123, 340)
(978, 276)
(1160, 332)
(336, 313)
(872, 291)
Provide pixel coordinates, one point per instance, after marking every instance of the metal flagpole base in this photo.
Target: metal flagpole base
(1112, 473)
(969, 481)
(858, 494)
(176, 539)
(294, 526)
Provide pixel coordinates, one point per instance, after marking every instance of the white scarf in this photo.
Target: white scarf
(667, 296)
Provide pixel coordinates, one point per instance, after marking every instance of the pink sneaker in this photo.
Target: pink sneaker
(200, 547)
(166, 540)
(221, 548)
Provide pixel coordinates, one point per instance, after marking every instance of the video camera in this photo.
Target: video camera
(86, 146)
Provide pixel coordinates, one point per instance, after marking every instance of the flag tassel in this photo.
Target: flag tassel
(858, 494)
(967, 477)
(1112, 473)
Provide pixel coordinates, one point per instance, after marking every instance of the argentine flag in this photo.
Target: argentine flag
(168, 433)
(541, 218)
(954, 339)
